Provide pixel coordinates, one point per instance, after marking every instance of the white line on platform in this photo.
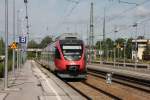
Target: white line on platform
(48, 83)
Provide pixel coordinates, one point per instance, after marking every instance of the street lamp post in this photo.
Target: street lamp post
(136, 45)
(6, 45)
(13, 65)
(115, 48)
(124, 54)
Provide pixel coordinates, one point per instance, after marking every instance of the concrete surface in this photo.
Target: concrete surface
(119, 71)
(32, 84)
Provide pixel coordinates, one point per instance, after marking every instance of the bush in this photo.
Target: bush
(1, 70)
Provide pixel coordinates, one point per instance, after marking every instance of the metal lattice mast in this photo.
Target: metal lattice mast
(91, 33)
(26, 17)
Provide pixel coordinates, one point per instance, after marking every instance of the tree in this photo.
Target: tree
(109, 44)
(106, 46)
(2, 47)
(119, 45)
(146, 53)
(147, 50)
(129, 48)
(120, 41)
(45, 42)
(32, 44)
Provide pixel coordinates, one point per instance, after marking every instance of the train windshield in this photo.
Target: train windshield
(72, 52)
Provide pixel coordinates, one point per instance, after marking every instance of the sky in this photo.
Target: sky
(54, 17)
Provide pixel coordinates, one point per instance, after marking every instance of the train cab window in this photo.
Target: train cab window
(72, 52)
(57, 53)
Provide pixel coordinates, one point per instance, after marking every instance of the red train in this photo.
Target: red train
(66, 57)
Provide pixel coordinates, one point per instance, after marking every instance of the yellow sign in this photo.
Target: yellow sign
(13, 45)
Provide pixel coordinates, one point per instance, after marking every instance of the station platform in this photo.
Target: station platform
(33, 84)
(125, 71)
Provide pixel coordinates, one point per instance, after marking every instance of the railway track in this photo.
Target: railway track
(95, 88)
(140, 84)
(91, 92)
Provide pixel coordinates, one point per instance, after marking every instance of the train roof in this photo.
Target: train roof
(71, 41)
(67, 36)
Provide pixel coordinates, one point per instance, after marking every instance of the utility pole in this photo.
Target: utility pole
(87, 35)
(104, 36)
(13, 65)
(18, 32)
(136, 45)
(91, 34)
(27, 23)
(124, 53)
(100, 51)
(115, 31)
(6, 45)
(26, 17)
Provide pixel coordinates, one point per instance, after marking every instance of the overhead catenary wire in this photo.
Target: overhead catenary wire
(116, 16)
(68, 14)
(120, 14)
(127, 10)
(125, 2)
(129, 26)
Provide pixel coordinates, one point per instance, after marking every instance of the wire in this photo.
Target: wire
(68, 14)
(129, 26)
(73, 1)
(127, 10)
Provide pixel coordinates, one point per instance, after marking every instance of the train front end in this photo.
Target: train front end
(72, 61)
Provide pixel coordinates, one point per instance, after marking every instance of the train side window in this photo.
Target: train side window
(57, 53)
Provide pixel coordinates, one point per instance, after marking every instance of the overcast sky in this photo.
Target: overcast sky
(53, 17)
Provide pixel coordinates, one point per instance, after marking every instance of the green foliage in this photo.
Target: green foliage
(1, 69)
(10, 53)
(147, 50)
(32, 44)
(31, 55)
(129, 48)
(45, 42)
(109, 44)
(119, 51)
(120, 41)
(2, 46)
(106, 45)
(2, 52)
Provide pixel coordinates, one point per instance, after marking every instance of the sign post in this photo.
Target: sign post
(13, 45)
(22, 39)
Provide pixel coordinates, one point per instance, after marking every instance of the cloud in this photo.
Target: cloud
(142, 12)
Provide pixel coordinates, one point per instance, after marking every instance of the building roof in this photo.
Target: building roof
(141, 40)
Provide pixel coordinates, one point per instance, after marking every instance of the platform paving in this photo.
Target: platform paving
(32, 84)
